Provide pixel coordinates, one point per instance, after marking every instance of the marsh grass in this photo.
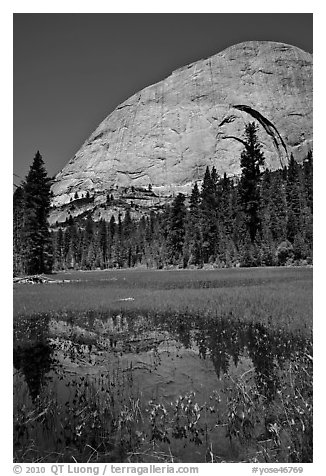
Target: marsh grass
(279, 429)
(280, 295)
(259, 429)
(98, 422)
(105, 421)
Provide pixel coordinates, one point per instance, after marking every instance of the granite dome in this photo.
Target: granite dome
(166, 134)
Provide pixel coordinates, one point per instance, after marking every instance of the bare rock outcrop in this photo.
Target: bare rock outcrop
(166, 134)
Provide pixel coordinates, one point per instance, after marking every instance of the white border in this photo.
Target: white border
(319, 194)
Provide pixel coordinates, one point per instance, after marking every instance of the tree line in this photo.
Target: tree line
(262, 219)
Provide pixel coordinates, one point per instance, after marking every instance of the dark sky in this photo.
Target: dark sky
(72, 70)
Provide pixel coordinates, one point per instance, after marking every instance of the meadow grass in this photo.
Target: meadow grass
(282, 296)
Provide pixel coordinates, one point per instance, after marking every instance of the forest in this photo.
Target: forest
(262, 218)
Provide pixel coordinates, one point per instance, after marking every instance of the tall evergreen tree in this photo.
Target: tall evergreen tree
(176, 231)
(75, 242)
(294, 198)
(208, 215)
(278, 207)
(87, 259)
(103, 243)
(111, 233)
(128, 233)
(117, 246)
(252, 159)
(225, 216)
(18, 242)
(58, 249)
(193, 241)
(36, 235)
(308, 179)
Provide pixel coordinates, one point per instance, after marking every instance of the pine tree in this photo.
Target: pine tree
(308, 179)
(278, 207)
(176, 231)
(18, 243)
(87, 241)
(193, 242)
(308, 210)
(252, 159)
(208, 215)
(128, 227)
(66, 247)
(117, 246)
(294, 198)
(36, 235)
(58, 246)
(103, 243)
(74, 245)
(225, 217)
(111, 233)
(112, 228)
(226, 203)
(128, 235)
(149, 227)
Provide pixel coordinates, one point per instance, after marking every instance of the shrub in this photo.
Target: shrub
(284, 252)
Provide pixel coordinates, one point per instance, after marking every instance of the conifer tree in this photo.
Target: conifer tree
(294, 198)
(308, 179)
(58, 248)
(193, 242)
(226, 214)
(103, 243)
(66, 246)
(117, 246)
(112, 228)
(36, 235)
(176, 231)
(18, 243)
(128, 234)
(252, 159)
(75, 241)
(149, 227)
(111, 233)
(127, 225)
(278, 207)
(88, 237)
(208, 215)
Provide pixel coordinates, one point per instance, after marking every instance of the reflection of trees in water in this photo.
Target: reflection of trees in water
(226, 339)
(217, 343)
(201, 342)
(32, 352)
(260, 349)
(182, 330)
(223, 340)
(34, 362)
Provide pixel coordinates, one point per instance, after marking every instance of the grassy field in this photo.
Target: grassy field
(278, 296)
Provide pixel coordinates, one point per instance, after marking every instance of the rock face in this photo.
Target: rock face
(166, 134)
